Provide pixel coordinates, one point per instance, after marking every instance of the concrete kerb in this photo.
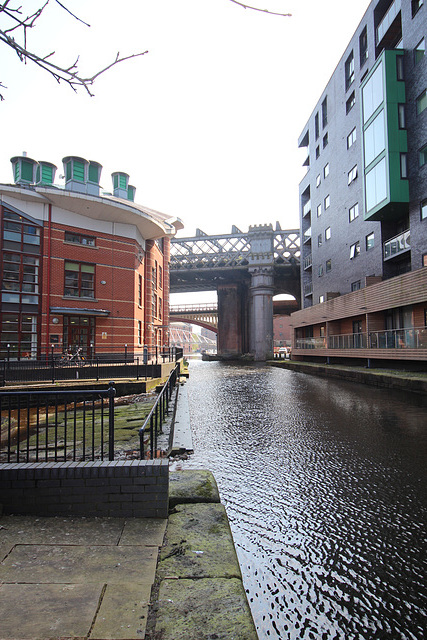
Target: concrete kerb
(198, 591)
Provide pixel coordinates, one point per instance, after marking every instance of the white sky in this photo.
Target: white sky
(206, 124)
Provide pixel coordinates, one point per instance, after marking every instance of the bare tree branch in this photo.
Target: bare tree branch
(273, 13)
(70, 75)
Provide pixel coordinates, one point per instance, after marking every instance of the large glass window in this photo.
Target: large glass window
(373, 93)
(17, 229)
(376, 185)
(423, 156)
(78, 238)
(374, 138)
(420, 50)
(79, 280)
(20, 275)
(18, 335)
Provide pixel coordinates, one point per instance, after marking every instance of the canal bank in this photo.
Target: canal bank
(413, 381)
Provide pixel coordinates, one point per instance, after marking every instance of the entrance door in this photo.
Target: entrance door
(79, 331)
(357, 337)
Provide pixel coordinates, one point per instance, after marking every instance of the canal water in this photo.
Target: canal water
(325, 487)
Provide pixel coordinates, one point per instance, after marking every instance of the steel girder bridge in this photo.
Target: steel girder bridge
(246, 270)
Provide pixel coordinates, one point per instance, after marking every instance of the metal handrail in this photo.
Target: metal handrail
(157, 414)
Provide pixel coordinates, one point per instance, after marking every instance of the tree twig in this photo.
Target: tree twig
(273, 13)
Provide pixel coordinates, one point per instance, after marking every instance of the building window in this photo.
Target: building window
(352, 174)
(318, 181)
(351, 138)
(422, 156)
(160, 277)
(376, 185)
(355, 286)
(79, 280)
(328, 233)
(328, 265)
(363, 47)
(373, 93)
(321, 299)
(404, 165)
(420, 51)
(374, 138)
(154, 305)
(425, 265)
(401, 113)
(319, 240)
(316, 125)
(15, 229)
(139, 290)
(160, 308)
(370, 241)
(324, 112)
(349, 71)
(20, 282)
(325, 140)
(139, 332)
(424, 210)
(317, 151)
(327, 202)
(354, 250)
(350, 102)
(320, 270)
(353, 212)
(400, 71)
(326, 170)
(422, 102)
(416, 5)
(77, 238)
(319, 210)
(20, 332)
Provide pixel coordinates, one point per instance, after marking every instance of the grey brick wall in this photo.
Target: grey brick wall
(137, 488)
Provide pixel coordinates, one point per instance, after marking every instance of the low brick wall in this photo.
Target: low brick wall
(136, 488)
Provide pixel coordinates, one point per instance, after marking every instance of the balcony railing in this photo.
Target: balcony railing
(306, 208)
(308, 262)
(397, 245)
(388, 20)
(415, 338)
(307, 235)
(308, 289)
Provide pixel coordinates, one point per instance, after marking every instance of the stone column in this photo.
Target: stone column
(261, 313)
(229, 321)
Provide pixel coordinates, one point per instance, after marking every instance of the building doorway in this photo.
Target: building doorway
(79, 331)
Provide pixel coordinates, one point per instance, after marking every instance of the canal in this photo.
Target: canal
(325, 486)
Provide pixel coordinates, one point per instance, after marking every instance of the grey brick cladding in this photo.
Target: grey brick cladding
(344, 233)
(137, 488)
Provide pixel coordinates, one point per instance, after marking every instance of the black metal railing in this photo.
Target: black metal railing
(40, 426)
(55, 367)
(153, 423)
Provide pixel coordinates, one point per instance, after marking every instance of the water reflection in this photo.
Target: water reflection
(324, 483)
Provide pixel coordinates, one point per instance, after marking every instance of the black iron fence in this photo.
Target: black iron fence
(57, 367)
(152, 426)
(40, 426)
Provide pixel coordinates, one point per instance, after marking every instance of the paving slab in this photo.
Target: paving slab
(57, 564)
(40, 530)
(146, 531)
(123, 613)
(192, 486)
(198, 544)
(47, 610)
(204, 609)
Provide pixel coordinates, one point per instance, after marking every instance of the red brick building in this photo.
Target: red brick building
(80, 268)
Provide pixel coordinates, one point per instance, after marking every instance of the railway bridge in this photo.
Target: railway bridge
(246, 270)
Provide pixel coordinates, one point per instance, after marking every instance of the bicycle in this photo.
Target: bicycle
(72, 358)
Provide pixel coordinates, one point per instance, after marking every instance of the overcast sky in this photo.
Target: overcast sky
(206, 124)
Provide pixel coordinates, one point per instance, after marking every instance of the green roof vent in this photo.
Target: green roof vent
(24, 170)
(45, 173)
(93, 178)
(76, 173)
(120, 184)
(131, 193)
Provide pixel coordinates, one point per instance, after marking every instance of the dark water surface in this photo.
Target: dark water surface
(325, 486)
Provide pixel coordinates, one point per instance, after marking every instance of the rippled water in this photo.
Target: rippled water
(325, 486)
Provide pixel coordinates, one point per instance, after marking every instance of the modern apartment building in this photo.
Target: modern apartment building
(363, 200)
(80, 268)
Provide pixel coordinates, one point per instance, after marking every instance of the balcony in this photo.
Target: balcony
(306, 209)
(388, 21)
(308, 262)
(397, 245)
(415, 338)
(308, 289)
(307, 235)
